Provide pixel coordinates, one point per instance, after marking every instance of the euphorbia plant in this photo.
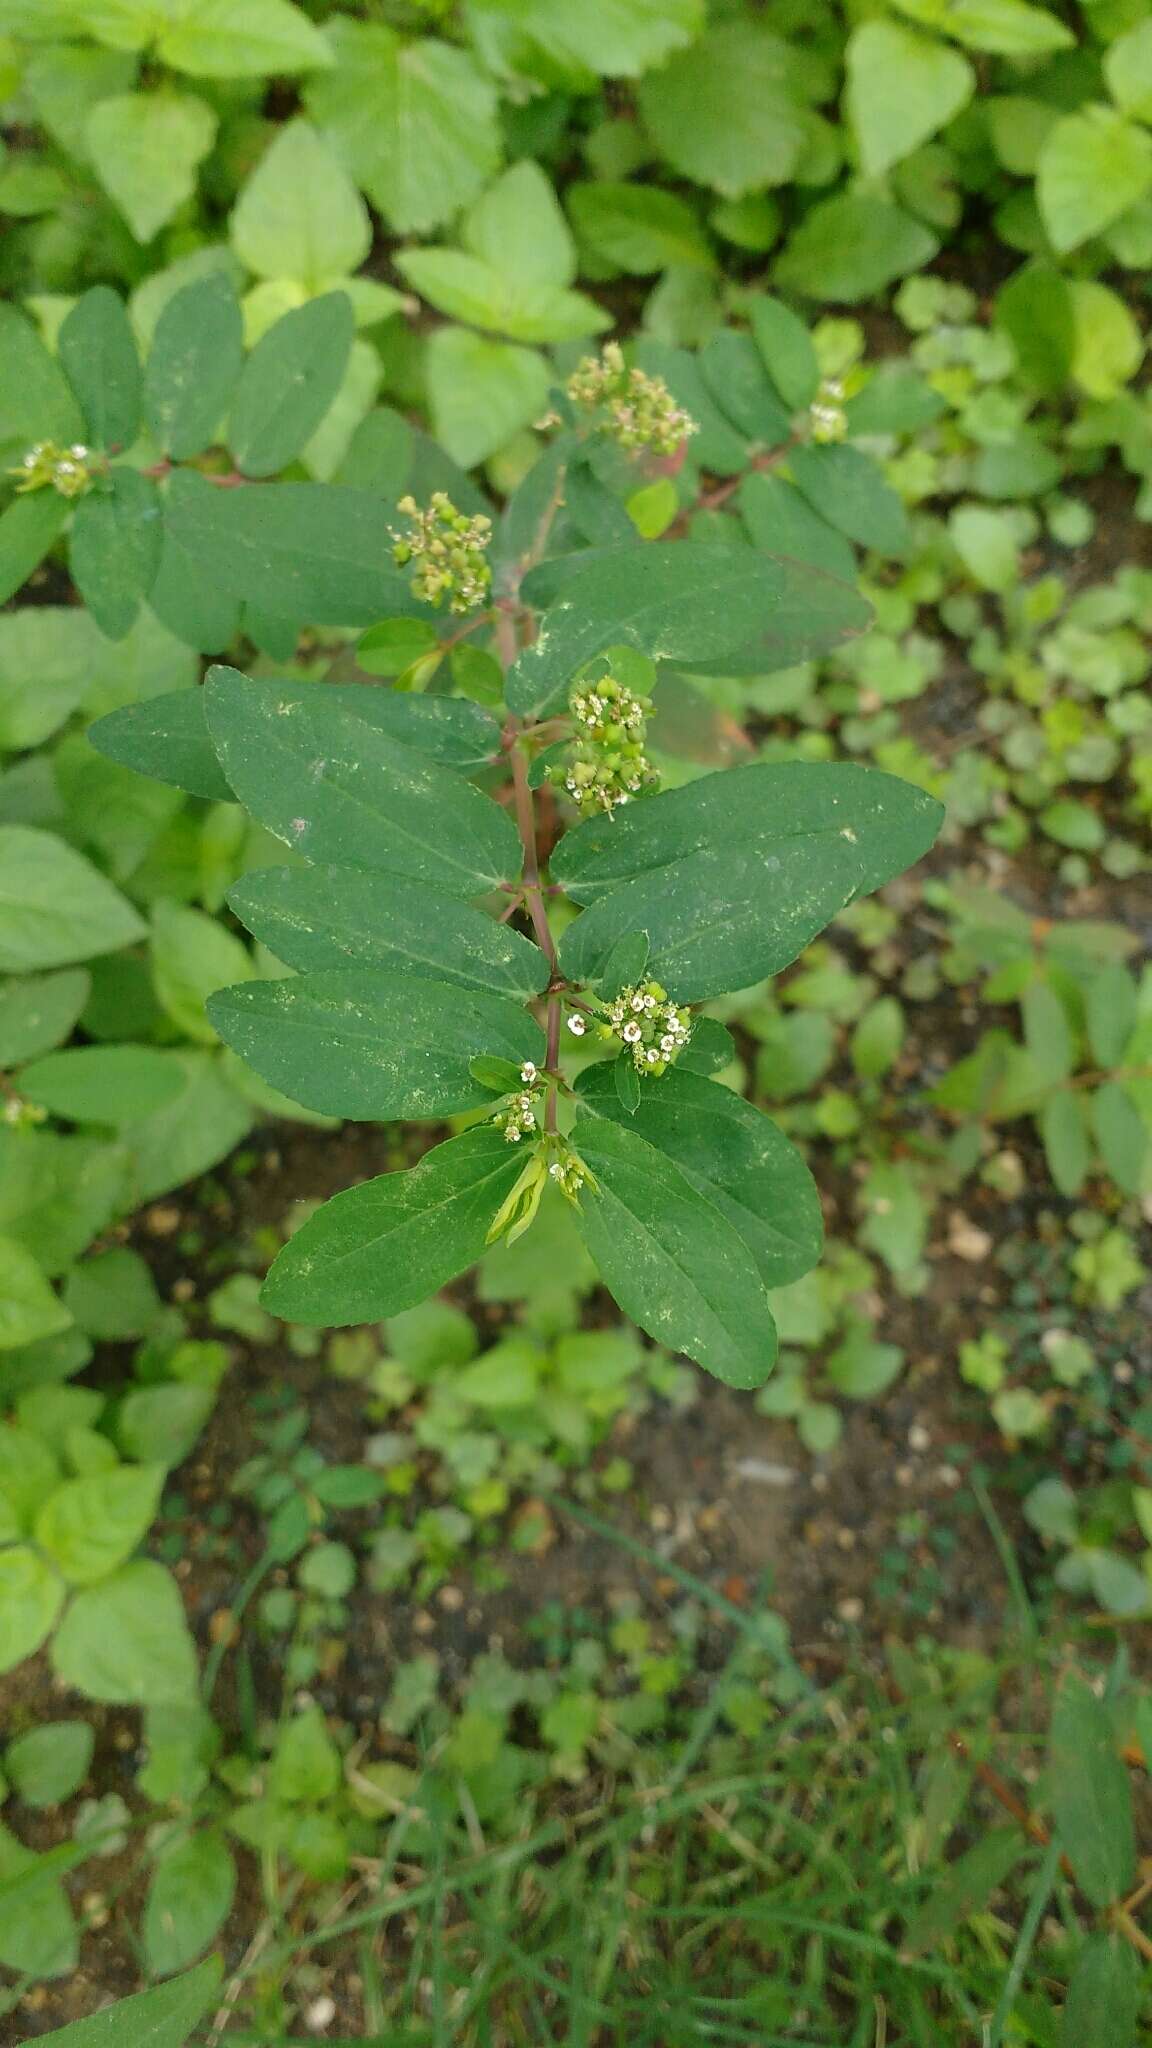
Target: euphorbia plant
(453, 957)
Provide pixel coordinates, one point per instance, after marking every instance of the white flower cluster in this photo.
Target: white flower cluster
(447, 551)
(640, 410)
(569, 1174)
(65, 469)
(20, 1114)
(607, 764)
(518, 1119)
(826, 413)
(654, 1029)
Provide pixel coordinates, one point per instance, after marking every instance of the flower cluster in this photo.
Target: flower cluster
(65, 469)
(551, 1160)
(518, 1119)
(652, 1027)
(606, 763)
(641, 411)
(20, 1114)
(827, 416)
(569, 1173)
(447, 550)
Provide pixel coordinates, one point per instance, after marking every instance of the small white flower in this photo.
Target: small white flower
(528, 1071)
(631, 1034)
(577, 1026)
(639, 1003)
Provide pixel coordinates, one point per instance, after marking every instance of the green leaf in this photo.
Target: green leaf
(986, 542)
(38, 1012)
(780, 520)
(498, 1076)
(684, 601)
(189, 1899)
(901, 89)
(877, 1038)
(89, 1526)
(414, 120)
(36, 400)
(965, 1887)
(389, 1243)
(1128, 69)
(359, 1043)
(518, 227)
(299, 215)
(38, 1934)
(851, 246)
(240, 39)
(298, 551)
(160, 1425)
(689, 868)
(192, 957)
(54, 906)
(188, 1136)
(112, 1294)
(724, 112)
(306, 1766)
(28, 528)
(1109, 342)
(163, 2018)
(847, 488)
(28, 1471)
(346, 917)
(732, 1155)
(1093, 166)
(28, 1308)
(618, 38)
(103, 1084)
(49, 1764)
(670, 1258)
(166, 738)
(1047, 1033)
(56, 1193)
(637, 228)
(625, 1084)
(146, 148)
(466, 288)
(1112, 1009)
(115, 549)
(335, 788)
(481, 392)
(1103, 1997)
(289, 382)
(126, 1642)
(98, 352)
(31, 1596)
(1008, 28)
(1090, 1795)
(196, 358)
(1120, 1133)
(734, 373)
(786, 347)
(1036, 309)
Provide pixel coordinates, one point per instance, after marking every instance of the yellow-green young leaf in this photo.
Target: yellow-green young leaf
(337, 789)
(37, 1932)
(1128, 69)
(727, 112)
(518, 226)
(361, 1043)
(1090, 1795)
(482, 392)
(347, 917)
(851, 246)
(288, 384)
(31, 1596)
(28, 1470)
(241, 39)
(902, 88)
(1007, 28)
(1109, 346)
(50, 1763)
(415, 121)
(28, 1308)
(189, 1899)
(388, 1244)
(690, 867)
(125, 1640)
(98, 352)
(468, 288)
(196, 357)
(103, 1084)
(146, 148)
(89, 1526)
(189, 1135)
(1036, 309)
(161, 2018)
(54, 906)
(670, 1258)
(1093, 166)
(117, 537)
(731, 1154)
(653, 508)
(618, 38)
(299, 215)
(193, 955)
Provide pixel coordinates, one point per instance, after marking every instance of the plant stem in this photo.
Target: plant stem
(533, 898)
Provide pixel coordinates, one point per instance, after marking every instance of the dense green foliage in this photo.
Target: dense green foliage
(419, 709)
